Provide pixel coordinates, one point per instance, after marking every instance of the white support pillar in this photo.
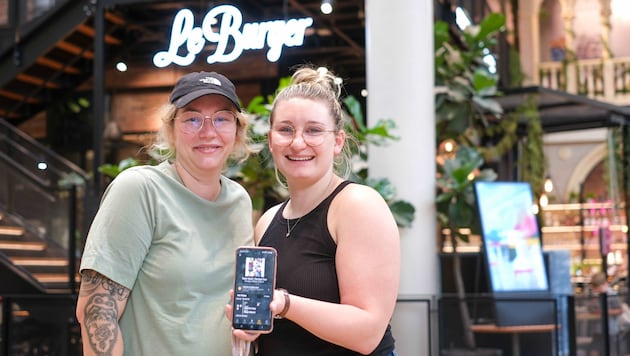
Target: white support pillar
(399, 50)
(529, 42)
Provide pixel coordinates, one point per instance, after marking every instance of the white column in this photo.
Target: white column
(399, 50)
(529, 41)
(568, 16)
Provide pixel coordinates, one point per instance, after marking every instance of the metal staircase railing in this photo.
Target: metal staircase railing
(45, 194)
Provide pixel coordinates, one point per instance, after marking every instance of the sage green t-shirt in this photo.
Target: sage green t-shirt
(175, 251)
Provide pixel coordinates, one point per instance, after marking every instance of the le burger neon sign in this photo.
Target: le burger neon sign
(255, 35)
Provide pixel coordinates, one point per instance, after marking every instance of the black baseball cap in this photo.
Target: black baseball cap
(197, 84)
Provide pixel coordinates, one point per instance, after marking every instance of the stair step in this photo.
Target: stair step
(54, 277)
(40, 261)
(23, 245)
(11, 230)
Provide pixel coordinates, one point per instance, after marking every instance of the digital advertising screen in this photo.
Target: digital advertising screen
(511, 236)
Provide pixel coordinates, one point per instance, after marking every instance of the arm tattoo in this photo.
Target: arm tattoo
(101, 323)
(90, 280)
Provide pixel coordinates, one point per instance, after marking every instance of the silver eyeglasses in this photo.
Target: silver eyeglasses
(191, 122)
(284, 135)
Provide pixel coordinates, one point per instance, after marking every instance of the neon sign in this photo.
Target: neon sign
(187, 40)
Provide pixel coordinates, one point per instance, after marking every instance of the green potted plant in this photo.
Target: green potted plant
(465, 111)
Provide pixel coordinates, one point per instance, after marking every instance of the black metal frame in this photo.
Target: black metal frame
(57, 310)
(488, 299)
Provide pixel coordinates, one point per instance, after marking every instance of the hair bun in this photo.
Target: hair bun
(320, 76)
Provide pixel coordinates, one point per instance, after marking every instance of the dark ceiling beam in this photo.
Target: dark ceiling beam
(18, 97)
(359, 50)
(29, 79)
(36, 43)
(308, 51)
(115, 19)
(107, 3)
(74, 49)
(57, 66)
(7, 114)
(89, 31)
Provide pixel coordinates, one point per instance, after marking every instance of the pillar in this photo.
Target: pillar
(529, 40)
(399, 61)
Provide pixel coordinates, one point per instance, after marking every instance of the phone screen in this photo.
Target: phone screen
(254, 282)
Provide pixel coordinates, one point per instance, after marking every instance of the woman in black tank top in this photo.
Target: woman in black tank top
(337, 242)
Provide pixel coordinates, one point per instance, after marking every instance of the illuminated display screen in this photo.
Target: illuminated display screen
(511, 236)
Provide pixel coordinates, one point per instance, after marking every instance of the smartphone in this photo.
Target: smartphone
(254, 283)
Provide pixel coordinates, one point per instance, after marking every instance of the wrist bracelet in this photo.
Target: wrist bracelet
(287, 304)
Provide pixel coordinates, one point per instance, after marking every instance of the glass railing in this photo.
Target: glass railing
(32, 10)
(25, 17)
(49, 167)
(602, 324)
(36, 8)
(42, 192)
(414, 313)
(43, 210)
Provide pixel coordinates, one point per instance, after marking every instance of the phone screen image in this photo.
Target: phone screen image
(254, 282)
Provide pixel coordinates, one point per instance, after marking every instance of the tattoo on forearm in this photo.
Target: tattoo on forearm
(90, 280)
(101, 323)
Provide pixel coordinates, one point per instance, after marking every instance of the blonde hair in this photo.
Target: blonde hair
(163, 147)
(320, 85)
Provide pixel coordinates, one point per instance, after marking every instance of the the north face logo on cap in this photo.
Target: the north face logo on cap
(210, 80)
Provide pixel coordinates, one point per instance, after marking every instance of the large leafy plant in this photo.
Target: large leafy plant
(377, 135)
(466, 115)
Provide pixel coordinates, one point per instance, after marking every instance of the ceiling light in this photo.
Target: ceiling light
(462, 19)
(121, 66)
(544, 200)
(326, 7)
(548, 184)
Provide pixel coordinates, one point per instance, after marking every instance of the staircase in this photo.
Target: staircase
(41, 264)
(40, 207)
(50, 56)
(42, 194)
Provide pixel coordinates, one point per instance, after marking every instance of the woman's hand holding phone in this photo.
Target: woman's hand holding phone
(241, 334)
(277, 306)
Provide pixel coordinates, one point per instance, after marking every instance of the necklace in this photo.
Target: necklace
(289, 228)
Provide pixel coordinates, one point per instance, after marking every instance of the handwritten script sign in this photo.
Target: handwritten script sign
(187, 40)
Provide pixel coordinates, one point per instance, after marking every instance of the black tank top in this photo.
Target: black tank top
(307, 268)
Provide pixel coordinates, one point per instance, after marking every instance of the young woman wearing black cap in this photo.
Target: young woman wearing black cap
(159, 257)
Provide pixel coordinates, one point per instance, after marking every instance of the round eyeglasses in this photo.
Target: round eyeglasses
(191, 122)
(312, 136)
